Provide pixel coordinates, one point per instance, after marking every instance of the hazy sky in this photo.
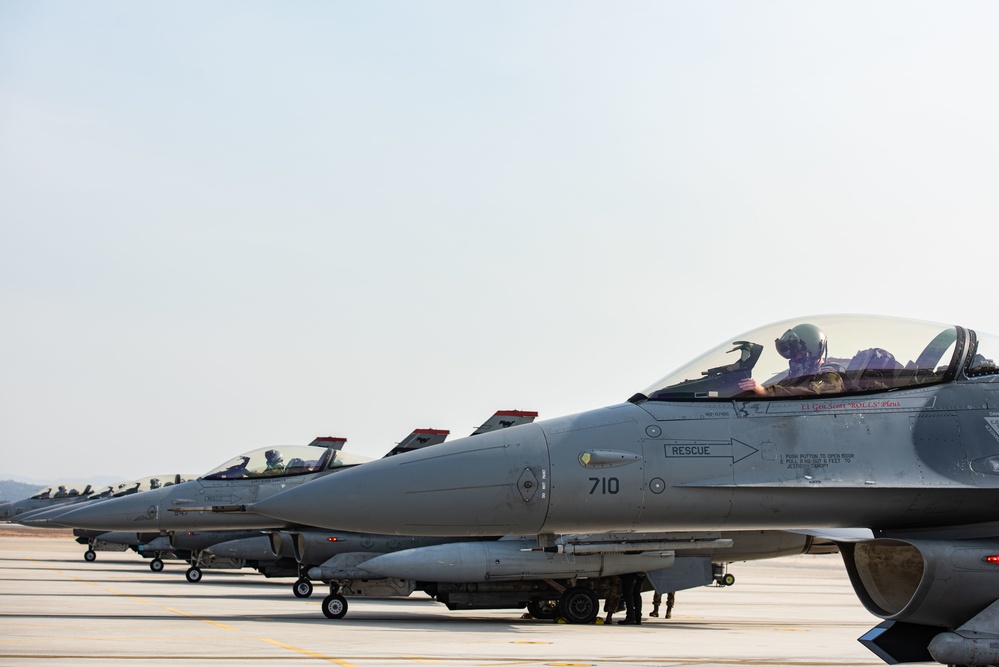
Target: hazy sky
(229, 225)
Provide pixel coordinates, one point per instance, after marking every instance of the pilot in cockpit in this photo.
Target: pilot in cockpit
(805, 347)
(275, 464)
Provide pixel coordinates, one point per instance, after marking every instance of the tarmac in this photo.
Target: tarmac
(57, 609)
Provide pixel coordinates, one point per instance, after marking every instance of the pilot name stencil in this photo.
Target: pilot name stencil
(853, 405)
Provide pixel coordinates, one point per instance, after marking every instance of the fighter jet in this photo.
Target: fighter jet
(562, 580)
(103, 540)
(217, 499)
(240, 550)
(46, 498)
(818, 423)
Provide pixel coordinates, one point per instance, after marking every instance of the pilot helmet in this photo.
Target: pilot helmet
(272, 455)
(803, 342)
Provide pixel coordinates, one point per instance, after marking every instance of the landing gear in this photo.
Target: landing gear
(579, 605)
(721, 577)
(156, 565)
(90, 555)
(334, 606)
(193, 575)
(302, 588)
(543, 609)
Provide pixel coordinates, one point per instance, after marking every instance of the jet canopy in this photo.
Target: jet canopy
(841, 354)
(63, 491)
(284, 461)
(137, 485)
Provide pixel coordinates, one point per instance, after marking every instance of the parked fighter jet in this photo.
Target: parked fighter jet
(216, 500)
(839, 422)
(240, 550)
(104, 540)
(46, 498)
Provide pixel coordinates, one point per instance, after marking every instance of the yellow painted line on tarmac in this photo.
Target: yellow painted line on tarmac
(311, 654)
(85, 581)
(197, 618)
(131, 597)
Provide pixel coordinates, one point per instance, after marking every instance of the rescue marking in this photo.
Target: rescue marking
(733, 449)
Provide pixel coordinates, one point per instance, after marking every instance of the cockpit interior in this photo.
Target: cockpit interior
(284, 461)
(862, 354)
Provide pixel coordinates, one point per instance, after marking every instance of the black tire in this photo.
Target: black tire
(579, 605)
(302, 588)
(543, 609)
(728, 580)
(156, 565)
(334, 606)
(90, 555)
(193, 575)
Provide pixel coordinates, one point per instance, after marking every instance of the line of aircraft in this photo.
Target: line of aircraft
(886, 451)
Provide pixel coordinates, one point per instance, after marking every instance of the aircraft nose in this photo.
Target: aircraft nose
(44, 518)
(490, 484)
(6, 510)
(137, 513)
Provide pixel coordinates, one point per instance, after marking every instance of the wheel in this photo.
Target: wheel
(302, 588)
(90, 555)
(728, 580)
(156, 565)
(334, 606)
(579, 605)
(193, 575)
(543, 609)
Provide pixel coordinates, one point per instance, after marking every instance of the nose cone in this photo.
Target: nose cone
(490, 484)
(6, 510)
(137, 513)
(44, 518)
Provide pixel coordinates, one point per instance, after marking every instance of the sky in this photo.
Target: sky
(238, 224)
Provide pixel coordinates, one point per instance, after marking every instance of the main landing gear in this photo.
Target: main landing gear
(579, 605)
(334, 604)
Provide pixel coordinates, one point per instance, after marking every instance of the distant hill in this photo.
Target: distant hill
(11, 490)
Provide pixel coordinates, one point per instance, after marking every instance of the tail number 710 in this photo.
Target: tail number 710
(605, 485)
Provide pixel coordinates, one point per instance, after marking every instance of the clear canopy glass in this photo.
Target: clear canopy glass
(862, 354)
(68, 490)
(138, 485)
(283, 461)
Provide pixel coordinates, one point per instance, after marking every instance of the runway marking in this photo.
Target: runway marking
(311, 654)
(203, 620)
(131, 597)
